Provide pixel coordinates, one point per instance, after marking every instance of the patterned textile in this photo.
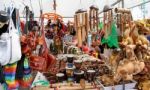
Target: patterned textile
(27, 77)
(9, 74)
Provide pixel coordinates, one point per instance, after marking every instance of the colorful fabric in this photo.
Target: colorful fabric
(100, 25)
(9, 74)
(112, 39)
(27, 77)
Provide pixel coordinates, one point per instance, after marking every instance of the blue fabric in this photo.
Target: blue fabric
(148, 37)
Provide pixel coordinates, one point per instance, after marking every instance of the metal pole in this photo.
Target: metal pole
(116, 2)
(122, 3)
(144, 9)
(139, 4)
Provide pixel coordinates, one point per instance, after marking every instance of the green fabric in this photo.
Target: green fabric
(100, 26)
(112, 39)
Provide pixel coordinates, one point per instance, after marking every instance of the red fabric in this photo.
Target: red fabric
(22, 26)
(64, 28)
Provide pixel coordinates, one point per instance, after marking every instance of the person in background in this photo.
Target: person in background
(57, 39)
(74, 41)
(49, 34)
(85, 48)
(67, 39)
(71, 28)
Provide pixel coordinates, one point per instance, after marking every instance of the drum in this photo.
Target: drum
(70, 58)
(69, 65)
(69, 71)
(60, 77)
(78, 64)
(91, 75)
(78, 75)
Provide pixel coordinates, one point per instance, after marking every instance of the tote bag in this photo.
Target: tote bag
(5, 49)
(15, 43)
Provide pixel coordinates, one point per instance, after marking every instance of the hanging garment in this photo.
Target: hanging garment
(112, 39)
(8, 43)
(9, 74)
(5, 49)
(15, 43)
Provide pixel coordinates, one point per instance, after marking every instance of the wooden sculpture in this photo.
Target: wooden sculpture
(81, 25)
(129, 66)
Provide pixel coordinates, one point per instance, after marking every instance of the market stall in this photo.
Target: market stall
(84, 54)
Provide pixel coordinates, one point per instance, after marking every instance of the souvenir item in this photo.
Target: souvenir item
(78, 75)
(78, 64)
(60, 77)
(5, 44)
(91, 75)
(5, 49)
(69, 71)
(15, 42)
(81, 25)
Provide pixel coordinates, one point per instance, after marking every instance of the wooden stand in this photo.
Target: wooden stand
(81, 25)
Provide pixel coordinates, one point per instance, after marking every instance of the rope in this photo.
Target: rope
(80, 4)
(94, 2)
(41, 10)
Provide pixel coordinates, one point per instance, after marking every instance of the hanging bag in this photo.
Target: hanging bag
(15, 43)
(5, 48)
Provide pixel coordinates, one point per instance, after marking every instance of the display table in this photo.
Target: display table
(66, 86)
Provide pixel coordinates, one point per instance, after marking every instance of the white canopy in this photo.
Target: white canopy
(66, 8)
